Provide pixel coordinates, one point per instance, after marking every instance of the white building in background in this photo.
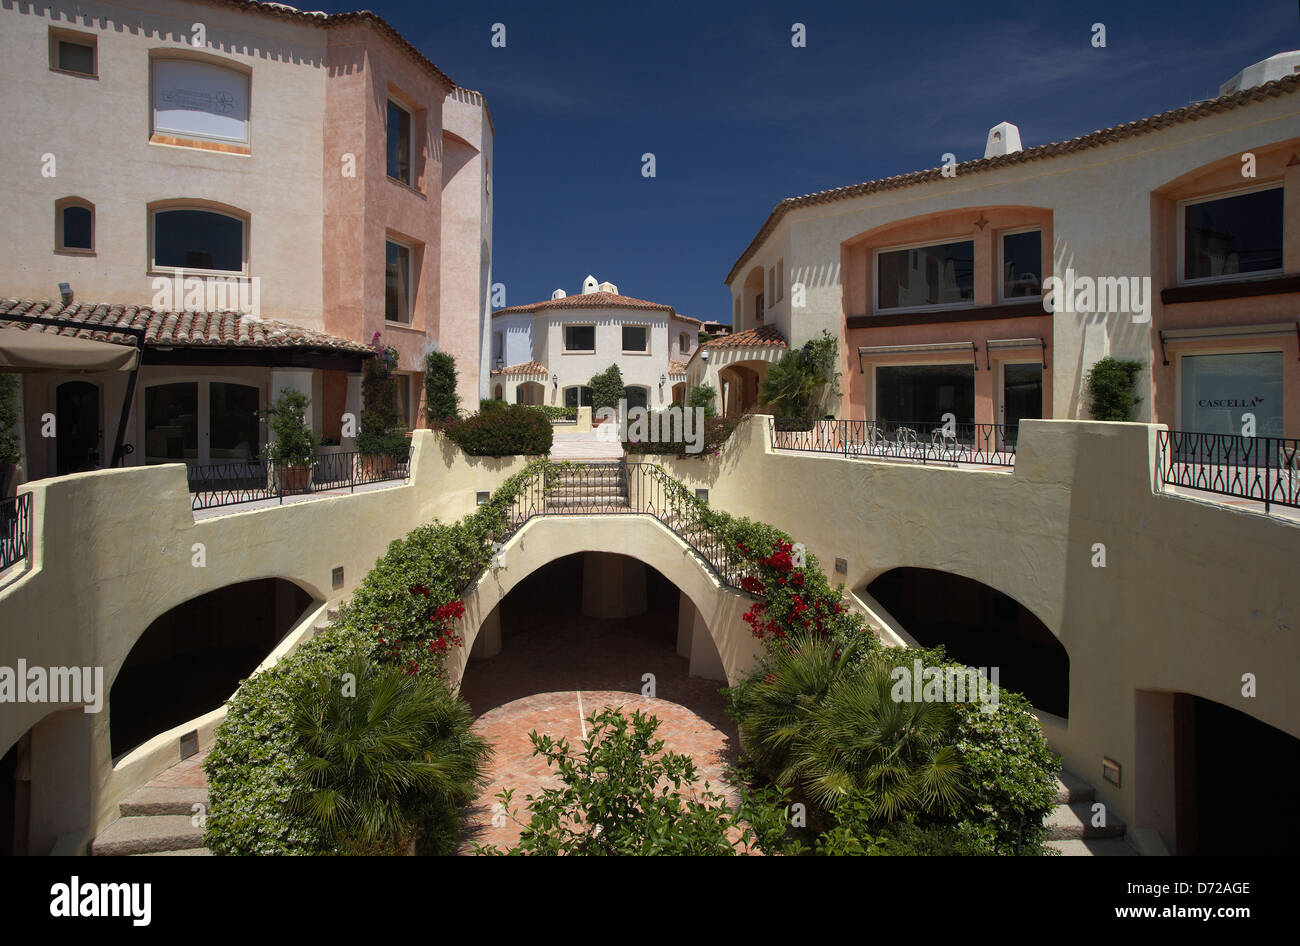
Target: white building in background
(548, 352)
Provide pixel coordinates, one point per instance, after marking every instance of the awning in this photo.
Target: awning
(1219, 333)
(929, 348)
(28, 351)
(1034, 343)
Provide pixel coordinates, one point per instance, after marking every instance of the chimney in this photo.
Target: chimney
(1004, 138)
(607, 287)
(558, 294)
(589, 284)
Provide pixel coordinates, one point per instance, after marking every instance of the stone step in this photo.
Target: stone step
(577, 502)
(1074, 822)
(1070, 789)
(151, 835)
(586, 492)
(1098, 847)
(151, 800)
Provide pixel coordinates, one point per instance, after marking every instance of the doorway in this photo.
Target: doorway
(1022, 395)
(77, 432)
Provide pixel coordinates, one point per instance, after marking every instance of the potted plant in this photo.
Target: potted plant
(293, 445)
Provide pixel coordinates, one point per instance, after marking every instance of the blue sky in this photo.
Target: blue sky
(738, 119)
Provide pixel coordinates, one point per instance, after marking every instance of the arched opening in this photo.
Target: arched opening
(679, 392)
(190, 659)
(740, 386)
(637, 396)
(530, 392)
(496, 393)
(981, 627)
(581, 633)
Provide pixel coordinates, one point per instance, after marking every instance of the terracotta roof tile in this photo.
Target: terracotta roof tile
(765, 336)
(528, 367)
(172, 329)
(677, 367)
(1104, 136)
(607, 300)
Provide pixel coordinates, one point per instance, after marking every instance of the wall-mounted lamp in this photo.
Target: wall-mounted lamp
(555, 381)
(500, 363)
(663, 379)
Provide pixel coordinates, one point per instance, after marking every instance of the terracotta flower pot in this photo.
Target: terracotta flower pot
(295, 479)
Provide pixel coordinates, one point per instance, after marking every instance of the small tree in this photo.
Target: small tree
(705, 396)
(607, 389)
(622, 795)
(440, 400)
(380, 430)
(797, 384)
(1110, 389)
(293, 443)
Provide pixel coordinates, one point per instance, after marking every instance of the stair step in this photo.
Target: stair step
(1074, 822)
(1070, 789)
(153, 834)
(183, 852)
(151, 800)
(1098, 847)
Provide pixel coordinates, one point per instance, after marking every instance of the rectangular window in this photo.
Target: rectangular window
(1218, 389)
(200, 100)
(1227, 237)
(402, 383)
(922, 394)
(74, 56)
(1022, 264)
(758, 308)
(397, 282)
(636, 338)
(579, 338)
(939, 275)
(399, 143)
(577, 397)
(771, 282)
(735, 312)
(780, 280)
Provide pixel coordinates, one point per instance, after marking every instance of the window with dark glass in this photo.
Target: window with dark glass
(579, 338)
(399, 143)
(637, 396)
(922, 394)
(76, 57)
(577, 397)
(198, 239)
(1233, 236)
(75, 226)
(942, 274)
(397, 282)
(1022, 264)
(233, 421)
(636, 338)
(171, 422)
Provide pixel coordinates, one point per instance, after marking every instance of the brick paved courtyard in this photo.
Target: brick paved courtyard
(565, 667)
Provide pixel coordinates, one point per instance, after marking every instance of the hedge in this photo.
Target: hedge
(514, 430)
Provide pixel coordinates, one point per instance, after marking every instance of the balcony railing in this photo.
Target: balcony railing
(1263, 469)
(982, 444)
(15, 529)
(228, 484)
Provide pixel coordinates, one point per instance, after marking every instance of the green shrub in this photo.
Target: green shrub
(717, 431)
(621, 795)
(383, 750)
(441, 402)
(705, 396)
(490, 404)
(514, 430)
(1110, 389)
(796, 385)
(379, 421)
(607, 389)
(554, 412)
(292, 441)
(395, 444)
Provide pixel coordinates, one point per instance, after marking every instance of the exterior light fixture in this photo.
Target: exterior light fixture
(500, 363)
(555, 380)
(663, 379)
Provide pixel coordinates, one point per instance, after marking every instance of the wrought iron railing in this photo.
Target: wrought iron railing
(983, 444)
(1264, 469)
(15, 529)
(228, 484)
(623, 488)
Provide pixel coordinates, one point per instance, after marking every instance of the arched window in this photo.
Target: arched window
(198, 238)
(194, 99)
(74, 225)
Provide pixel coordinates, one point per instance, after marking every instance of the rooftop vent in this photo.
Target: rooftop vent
(558, 294)
(1266, 70)
(1004, 138)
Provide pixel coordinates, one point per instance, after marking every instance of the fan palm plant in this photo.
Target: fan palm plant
(823, 722)
(384, 752)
